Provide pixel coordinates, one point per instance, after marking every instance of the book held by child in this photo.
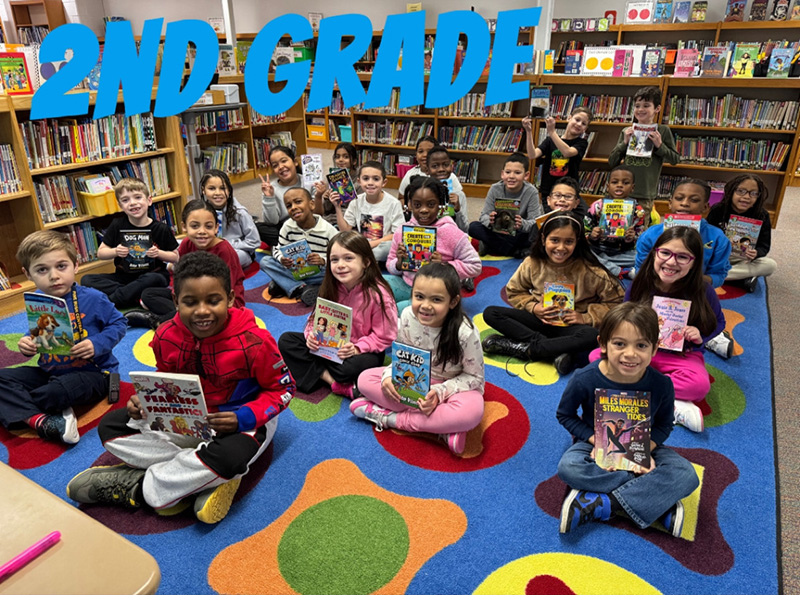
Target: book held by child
(673, 316)
(173, 403)
(640, 144)
(49, 323)
(616, 216)
(420, 243)
(333, 324)
(340, 181)
(622, 430)
(686, 219)
(540, 102)
(138, 243)
(561, 295)
(299, 252)
(506, 211)
(311, 165)
(743, 233)
(411, 373)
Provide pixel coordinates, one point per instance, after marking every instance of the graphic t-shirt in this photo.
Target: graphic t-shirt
(556, 165)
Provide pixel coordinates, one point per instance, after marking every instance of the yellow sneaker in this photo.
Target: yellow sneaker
(212, 505)
(175, 508)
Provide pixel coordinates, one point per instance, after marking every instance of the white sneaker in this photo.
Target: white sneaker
(721, 345)
(71, 435)
(688, 415)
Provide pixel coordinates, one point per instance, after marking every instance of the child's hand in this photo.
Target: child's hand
(319, 189)
(287, 262)
(630, 235)
(550, 125)
(454, 200)
(152, 252)
(750, 254)
(374, 243)
(266, 187)
(348, 350)
(692, 334)
(312, 343)
(335, 199)
(436, 257)
(430, 402)
(626, 134)
(134, 408)
(492, 215)
(527, 123)
(27, 346)
(121, 251)
(83, 350)
(655, 136)
(573, 317)
(595, 234)
(517, 222)
(316, 259)
(223, 422)
(402, 253)
(389, 391)
(548, 315)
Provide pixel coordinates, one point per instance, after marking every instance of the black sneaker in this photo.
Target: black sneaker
(119, 485)
(673, 519)
(564, 364)
(309, 295)
(482, 250)
(750, 284)
(142, 319)
(581, 507)
(468, 284)
(52, 427)
(275, 290)
(504, 346)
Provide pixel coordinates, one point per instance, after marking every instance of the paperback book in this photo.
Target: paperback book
(333, 324)
(138, 242)
(313, 172)
(623, 63)
(616, 216)
(758, 10)
(16, 78)
(686, 62)
(506, 211)
(298, 252)
(549, 59)
(540, 102)
(340, 181)
(411, 373)
(572, 61)
(242, 49)
(226, 65)
(780, 10)
(735, 10)
(715, 62)
(173, 403)
(682, 12)
(663, 12)
(420, 244)
(673, 316)
(49, 323)
(743, 233)
(622, 430)
(651, 62)
(598, 61)
(779, 63)
(561, 295)
(682, 219)
(638, 13)
(699, 10)
(640, 144)
(744, 60)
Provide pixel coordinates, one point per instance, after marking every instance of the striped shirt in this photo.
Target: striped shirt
(317, 237)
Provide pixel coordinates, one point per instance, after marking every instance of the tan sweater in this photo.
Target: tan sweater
(596, 291)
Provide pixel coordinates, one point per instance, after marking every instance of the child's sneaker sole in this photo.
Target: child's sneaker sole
(213, 505)
(71, 435)
(564, 525)
(175, 508)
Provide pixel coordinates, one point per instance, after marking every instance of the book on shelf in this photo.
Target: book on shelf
(333, 324)
(640, 144)
(5, 281)
(652, 62)
(673, 316)
(339, 180)
(616, 216)
(49, 323)
(411, 373)
(281, 56)
(663, 12)
(298, 252)
(731, 111)
(715, 62)
(15, 75)
(638, 12)
(598, 61)
(743, 60)
(622, 430)
(138, 242)
(505, 218)
(572, 61)
(743, 233)
(683, 11)
(758, 10)
(420, 244)
(699, 10)
(549, 57)
(540, 102)
(242, 49)
(173, 403)
(734, 11)
(686, 62)
(9, 172)
(780, 10)
(623, 63)
(217, 23)
(734, 153)
(637, 51)
(226, 64)
(794, 14)
(560, 295)
(779, 62)
(682, 220)
(231, 158)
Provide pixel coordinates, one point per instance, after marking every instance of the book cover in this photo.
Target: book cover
(779, 62)
(173, 403)
(340, 181)
(640, 144)
(506, 211)
(663, 12)
(651, 62)
(715, 62)
(226, 65)
(333, 324)
(616, 216)
(638, 13)
(685, 219)
(794, 14)
(572, 61)
(138, 242)
(744, 60)
(561, 295)
(735, 10)
(49, 323)
(682, 12)
(411, 373)
(420, 243)
(313, 172)
(598, 61)
(281, 56)
(743, 233)
(217, 23)
(780, 10)
(673, 316)
(298, 252)
(622, 430)
(313, 19)
(699, 10)
(758, 10)
(540, 102)
(16, 79)
(242, 49)
(622, 59)
(549, 59)
(686, 62)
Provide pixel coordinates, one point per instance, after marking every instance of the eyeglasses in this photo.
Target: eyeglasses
(750, 193)
(680, 257)
(559, 196)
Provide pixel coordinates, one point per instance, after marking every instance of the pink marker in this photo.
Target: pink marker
(23, 559)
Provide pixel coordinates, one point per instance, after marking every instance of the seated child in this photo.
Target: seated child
(440, 167)
(345, 156)
(514, 186)
(43, 396)
(135, 270)
(284, 167)
(245, 383)
(617, 253)
(424, 145)
(628, 340)
(565, 196)
(375, 214)
(302, 224)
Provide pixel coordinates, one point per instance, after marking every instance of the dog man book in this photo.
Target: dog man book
(622, 430)
(138, 243)
(411, 373)
(172, 403)
(49, 323)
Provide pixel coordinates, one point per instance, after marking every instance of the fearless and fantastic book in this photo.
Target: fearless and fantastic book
(173, 403)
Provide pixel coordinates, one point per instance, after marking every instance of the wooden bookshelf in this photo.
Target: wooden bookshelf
(37, 13)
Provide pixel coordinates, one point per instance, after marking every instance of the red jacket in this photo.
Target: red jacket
(240, 368)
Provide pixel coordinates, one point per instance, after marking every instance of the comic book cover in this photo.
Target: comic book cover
(622, 430)
(138, 242)
(758, 10)
(699, 10)
(744, 60)
(676, 219)
(299, 252)
(743, 233)
(682, 11)
(640, 144)
(506, 211)
(420, 243)
(340, 181)
(173, 403)
(540, 102)
(313, 172)
(333, 324)
(715, 61)
(561, 295)
(226, 64)
(411, 373)
(49, 323)
(685, 62)
(663, 12)
(242, 49)
(779, 62)
(616, 216)
(735, 10)
(673, 315)
(16, 79)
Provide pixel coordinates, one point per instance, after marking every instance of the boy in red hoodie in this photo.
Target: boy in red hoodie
(245, 382)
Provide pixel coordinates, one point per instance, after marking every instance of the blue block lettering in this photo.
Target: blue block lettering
(406, 31)
(506, 53)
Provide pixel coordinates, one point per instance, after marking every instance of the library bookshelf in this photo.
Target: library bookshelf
(30, 14)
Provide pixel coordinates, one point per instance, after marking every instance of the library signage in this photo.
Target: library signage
(342, 41)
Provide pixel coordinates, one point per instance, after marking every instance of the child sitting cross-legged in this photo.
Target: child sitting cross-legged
(628, 340)
(245, 383)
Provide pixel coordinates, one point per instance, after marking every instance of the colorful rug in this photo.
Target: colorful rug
(335, 507)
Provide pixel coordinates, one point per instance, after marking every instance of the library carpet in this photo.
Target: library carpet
(335, 507)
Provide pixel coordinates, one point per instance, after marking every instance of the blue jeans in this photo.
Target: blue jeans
(644, 497)
(401, 291)
(283, 276)
(615, 262)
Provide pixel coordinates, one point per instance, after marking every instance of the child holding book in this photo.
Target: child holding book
(426, 197)
(140, 246)
(628, 338)
(345, 156)
(745, 196)
(440, 166)
(534, 330)
(352, 279)
(302, 224)
(616, 252)
(245, 384)
(435, 322)
(513, 185)
(237, 226)
(43, 396)
(646, 170)
(375, 214)
(273, 211)
(424, 145)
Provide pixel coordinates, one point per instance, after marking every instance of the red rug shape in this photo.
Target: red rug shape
(315, 397)
(251, 270)
(547, 585)
(10, 358)
(486, 272)
(730, 292)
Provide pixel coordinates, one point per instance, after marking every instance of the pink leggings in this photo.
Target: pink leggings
(687, 371)
(459, 413)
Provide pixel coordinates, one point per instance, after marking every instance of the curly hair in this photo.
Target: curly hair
(201, 264)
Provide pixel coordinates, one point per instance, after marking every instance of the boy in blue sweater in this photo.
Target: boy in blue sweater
(43, 396)
(628, 340)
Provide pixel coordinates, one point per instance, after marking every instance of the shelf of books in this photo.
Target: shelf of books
(58, 174)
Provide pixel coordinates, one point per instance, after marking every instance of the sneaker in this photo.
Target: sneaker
(275, 290)
(346, 390)
(468, 284)
(175, 508)
(119, 484)
(688, 415)
(142, 319)
(482, 250)
(722, 345)
(52, 427)
(503, 346)
(673, 519)
(211, 506)
(564, 364)
(309, 295)
(70, 435)
(456, 441)
(365, 409)
(750, 284)
(581, 507)
(624, 273)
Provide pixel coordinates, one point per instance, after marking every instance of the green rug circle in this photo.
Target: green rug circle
(347, 544)
(726, 399)
(325, 409)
